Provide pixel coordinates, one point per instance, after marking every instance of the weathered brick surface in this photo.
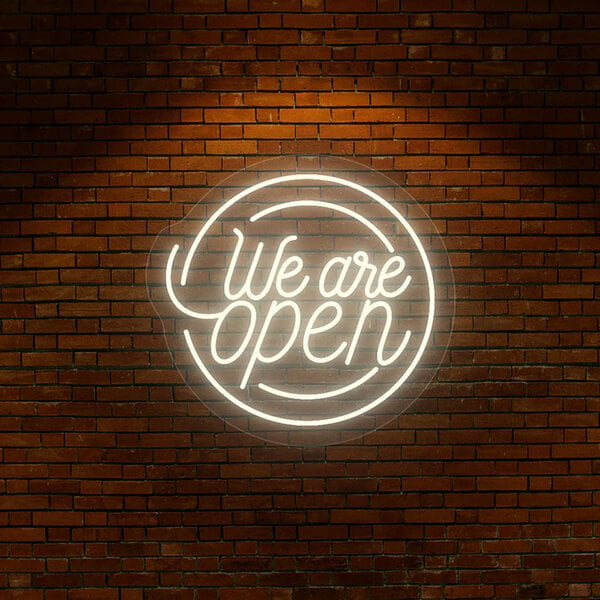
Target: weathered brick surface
(115, 483)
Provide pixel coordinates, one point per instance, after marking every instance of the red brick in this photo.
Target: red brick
(21, 565)
(425, 515)
(229, 115)
(117, 481)
(276, 132)
(237, 147)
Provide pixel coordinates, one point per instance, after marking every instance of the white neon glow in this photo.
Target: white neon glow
(173, 297)
(257, 354)
(245, 289)
(330, 205)
(361, 260)
(287, 273)
(217, 329)
(290, 268)
(260, 413)
(387, 273)
(273, 181)
(312, 330)
(323, 395)
(367, 310)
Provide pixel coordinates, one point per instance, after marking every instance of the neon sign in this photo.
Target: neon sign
(306, 299)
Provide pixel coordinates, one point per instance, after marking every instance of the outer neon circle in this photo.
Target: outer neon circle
(282, 179)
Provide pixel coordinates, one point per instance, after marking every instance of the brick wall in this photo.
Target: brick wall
(115, 482)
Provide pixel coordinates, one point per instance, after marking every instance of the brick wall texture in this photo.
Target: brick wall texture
(115, 482)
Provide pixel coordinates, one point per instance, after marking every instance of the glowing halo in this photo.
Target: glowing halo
(314, 203)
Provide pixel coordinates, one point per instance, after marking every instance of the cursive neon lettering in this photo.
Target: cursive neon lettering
(311, 330)
(246, 290)
(361, 259)
(343, 287)
(339, 278)
(371, 282)
(368, 308)
(389, 272)
(290, 268)
(217, 329)
(336, 290)
(257, 353)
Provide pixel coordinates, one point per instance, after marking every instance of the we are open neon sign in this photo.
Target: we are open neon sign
(305, 299)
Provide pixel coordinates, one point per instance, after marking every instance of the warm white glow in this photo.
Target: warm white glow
(323, 395)
(213, 338)
(287, 273)
(368, 308)
(312, 330)
(245, 289)
(257, 354)
(287, 278)
(173, 297)
(330, 205)
(361, 260)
